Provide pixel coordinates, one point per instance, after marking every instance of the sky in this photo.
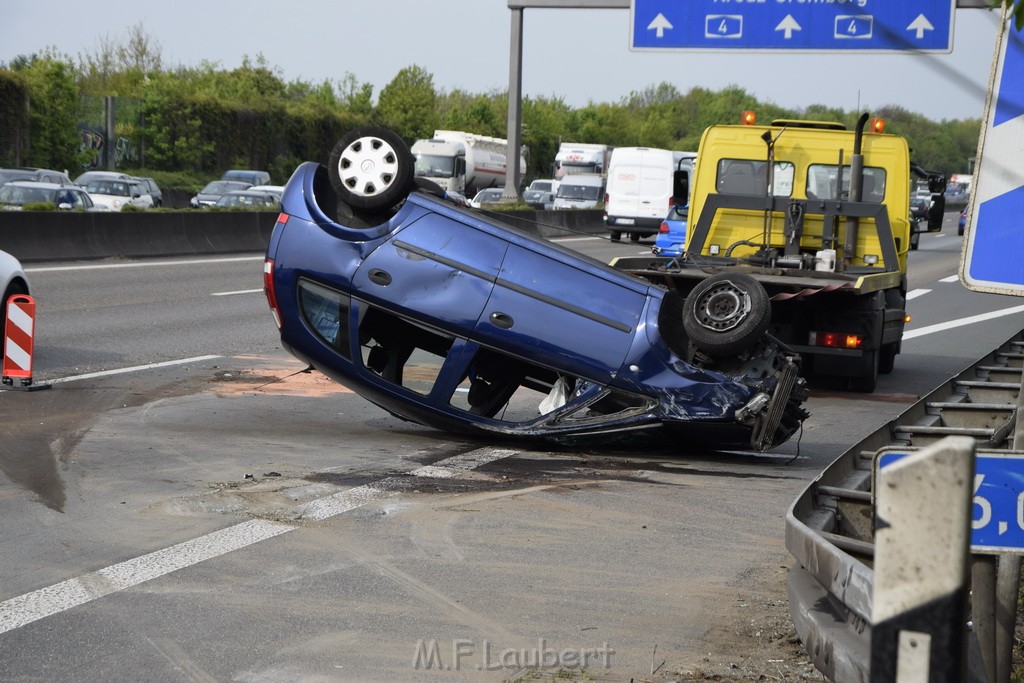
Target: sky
(580, 56)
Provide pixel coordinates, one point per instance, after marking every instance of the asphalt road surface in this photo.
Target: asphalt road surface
(185, 503)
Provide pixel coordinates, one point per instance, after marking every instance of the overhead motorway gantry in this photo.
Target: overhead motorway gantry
(515, 61)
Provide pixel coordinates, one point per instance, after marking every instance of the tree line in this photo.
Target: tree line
(199, 120)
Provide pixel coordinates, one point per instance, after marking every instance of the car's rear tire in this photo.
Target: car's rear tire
(726, 313)
(371, 168)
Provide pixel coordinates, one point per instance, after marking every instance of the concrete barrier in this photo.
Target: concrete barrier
(57, 235)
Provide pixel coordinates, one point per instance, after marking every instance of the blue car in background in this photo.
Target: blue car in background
(672, 233)
(444, 317)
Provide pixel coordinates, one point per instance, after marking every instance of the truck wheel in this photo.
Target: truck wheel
(726, 313)
(866, 383)
(616, 235)
(634, 237)
(887, 358)
(371, 168)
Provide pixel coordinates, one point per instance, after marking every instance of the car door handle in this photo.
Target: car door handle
(502, 320)
(380, 277)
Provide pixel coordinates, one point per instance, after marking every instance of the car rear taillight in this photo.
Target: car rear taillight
(269, 291)
(663, 228)
(836, 340)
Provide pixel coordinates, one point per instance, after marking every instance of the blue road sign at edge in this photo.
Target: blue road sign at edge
(997, 517)
(793, 25)
(992, 259)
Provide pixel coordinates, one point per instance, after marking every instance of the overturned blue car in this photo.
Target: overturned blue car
(445, 317)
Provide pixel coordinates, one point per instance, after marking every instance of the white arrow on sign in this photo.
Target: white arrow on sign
(659, 24)
(920, 24)
(788, 25)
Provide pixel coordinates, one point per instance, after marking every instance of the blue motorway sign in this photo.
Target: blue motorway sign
(793, 25)
(997, 523)
(993, 254)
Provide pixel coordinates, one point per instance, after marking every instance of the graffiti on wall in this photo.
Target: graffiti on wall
(93, 143)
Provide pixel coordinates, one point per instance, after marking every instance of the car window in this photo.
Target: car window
(822, 180)
(750, 177)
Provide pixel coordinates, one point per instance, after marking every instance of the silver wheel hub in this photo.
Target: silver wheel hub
(368, 166)
(722, 307)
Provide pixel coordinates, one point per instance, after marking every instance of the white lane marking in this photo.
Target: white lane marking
(144, 264)
(121, 371)
(914, 293)
(951, 278)
(575, 239)
(60, 597)
(240, 291)
(942, 327)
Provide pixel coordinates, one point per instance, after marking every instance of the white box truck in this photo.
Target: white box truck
(581, 158)
(464, 162)
(641, 187)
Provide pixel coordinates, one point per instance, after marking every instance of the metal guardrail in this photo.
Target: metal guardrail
(830, 526)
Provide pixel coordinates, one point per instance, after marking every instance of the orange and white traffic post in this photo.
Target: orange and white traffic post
(19, 339)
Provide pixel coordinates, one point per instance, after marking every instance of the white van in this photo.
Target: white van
(641, 188)
(579, 192)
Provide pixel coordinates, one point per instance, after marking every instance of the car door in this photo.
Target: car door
(437, 270)
(563, 312)
(418, 297)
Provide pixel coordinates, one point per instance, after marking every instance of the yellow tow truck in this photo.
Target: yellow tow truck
(798, 229)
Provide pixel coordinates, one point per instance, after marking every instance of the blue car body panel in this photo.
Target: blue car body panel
(491, 305)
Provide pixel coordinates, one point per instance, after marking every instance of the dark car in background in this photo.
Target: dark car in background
(919, 206)
(249, 199)
(444, 317)
(247, 176)
(39, 175)
(151, 188)
(216, 189)
(542, 200)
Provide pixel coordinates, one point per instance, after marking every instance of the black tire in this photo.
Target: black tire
(866, 384)
(371, 168)
(634, 237)
(726, 313)
(887, 358)
(616, 235)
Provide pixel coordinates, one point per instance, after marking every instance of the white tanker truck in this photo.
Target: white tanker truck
(464, 162)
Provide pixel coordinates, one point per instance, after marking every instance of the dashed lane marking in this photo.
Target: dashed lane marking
(30, 607)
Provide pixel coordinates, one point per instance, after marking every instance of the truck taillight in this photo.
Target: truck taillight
(269, 291)
(663, 228)
(876, 126)
(836, 340)
(748, 118)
